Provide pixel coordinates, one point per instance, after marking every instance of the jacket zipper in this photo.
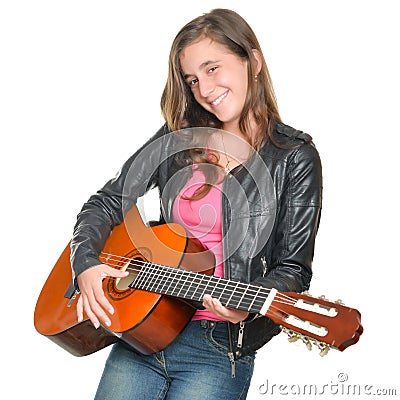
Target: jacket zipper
(230, 353)
(265, 266)
(240, 335)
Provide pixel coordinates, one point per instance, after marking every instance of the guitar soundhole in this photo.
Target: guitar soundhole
(120, 288)
(133, 269)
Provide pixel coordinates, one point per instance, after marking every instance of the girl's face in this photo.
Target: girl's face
(217, 78)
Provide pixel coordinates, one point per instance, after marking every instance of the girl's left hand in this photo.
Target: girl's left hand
(230, 314)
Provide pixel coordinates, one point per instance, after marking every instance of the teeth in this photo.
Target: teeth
(217, 101)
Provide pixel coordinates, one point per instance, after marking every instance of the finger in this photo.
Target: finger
(93, 302)
(99, 304)
(214, 305)
(102, 300)
(79, 309)
(98, 291)
(114, 272)
(88, 310)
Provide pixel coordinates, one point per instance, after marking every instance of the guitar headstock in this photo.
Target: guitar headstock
(316, 321)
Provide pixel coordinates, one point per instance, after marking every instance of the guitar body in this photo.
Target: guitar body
(146, 321)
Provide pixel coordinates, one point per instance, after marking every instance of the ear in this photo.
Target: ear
(258, 60)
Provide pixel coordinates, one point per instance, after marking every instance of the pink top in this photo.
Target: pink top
(202, 220)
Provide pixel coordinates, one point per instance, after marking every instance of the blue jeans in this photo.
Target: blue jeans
(194, 366)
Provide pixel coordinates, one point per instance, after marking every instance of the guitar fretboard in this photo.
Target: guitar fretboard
(193, 286)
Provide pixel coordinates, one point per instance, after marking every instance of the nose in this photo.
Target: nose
(206, 86)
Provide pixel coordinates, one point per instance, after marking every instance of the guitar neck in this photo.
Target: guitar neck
(193, 286)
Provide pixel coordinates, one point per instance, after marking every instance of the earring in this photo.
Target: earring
(255, 78)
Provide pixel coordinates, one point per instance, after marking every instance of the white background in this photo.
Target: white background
(80, 89)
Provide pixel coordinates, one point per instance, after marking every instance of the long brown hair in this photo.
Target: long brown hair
(178, 105)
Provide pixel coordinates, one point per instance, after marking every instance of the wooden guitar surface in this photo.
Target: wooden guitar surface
(146, 321)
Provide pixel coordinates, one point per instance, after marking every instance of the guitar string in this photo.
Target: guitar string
(279, 313)
(273, 311)
(257, 301)
(198, 286)
(170, 270)
(115, 260)
(140, 263)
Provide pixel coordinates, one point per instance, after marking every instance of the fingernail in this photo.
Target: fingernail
(96, 325)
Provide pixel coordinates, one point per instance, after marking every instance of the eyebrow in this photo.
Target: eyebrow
(202, 65)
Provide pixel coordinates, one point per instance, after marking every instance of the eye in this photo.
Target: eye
(212, 69)
(191, 81)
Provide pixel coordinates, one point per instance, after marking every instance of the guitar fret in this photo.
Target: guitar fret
(199, 282)
(258, 299)
(140, 279)
(215, 286)
(239, 299)
(147, 281)
(168, 281)
(213, 281)
(186, 295)
(230, 303)
(171, 281)
(224, 293)
(219, 288)
(242, 298)
(224, 297)
(190, 285)
(176, 279)
(155, 283)
(182, 287)
(254, 298)
(193, 297)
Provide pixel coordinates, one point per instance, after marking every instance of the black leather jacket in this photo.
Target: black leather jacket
(266, 242)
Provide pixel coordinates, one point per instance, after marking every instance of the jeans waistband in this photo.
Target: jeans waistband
(205, 323)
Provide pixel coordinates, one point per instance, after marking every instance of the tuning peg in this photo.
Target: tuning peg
(323, 347)
(307, 342)
(322, 297)
(324, 350)
(293, 338)
(339, 301)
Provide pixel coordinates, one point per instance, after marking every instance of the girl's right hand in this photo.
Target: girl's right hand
(92, 300)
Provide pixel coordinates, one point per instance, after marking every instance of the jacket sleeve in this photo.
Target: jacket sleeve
(105, 209)
(290, 249)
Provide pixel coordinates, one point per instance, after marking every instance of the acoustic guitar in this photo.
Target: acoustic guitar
(168, 272)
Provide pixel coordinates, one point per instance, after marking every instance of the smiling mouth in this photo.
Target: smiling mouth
(219, 99)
